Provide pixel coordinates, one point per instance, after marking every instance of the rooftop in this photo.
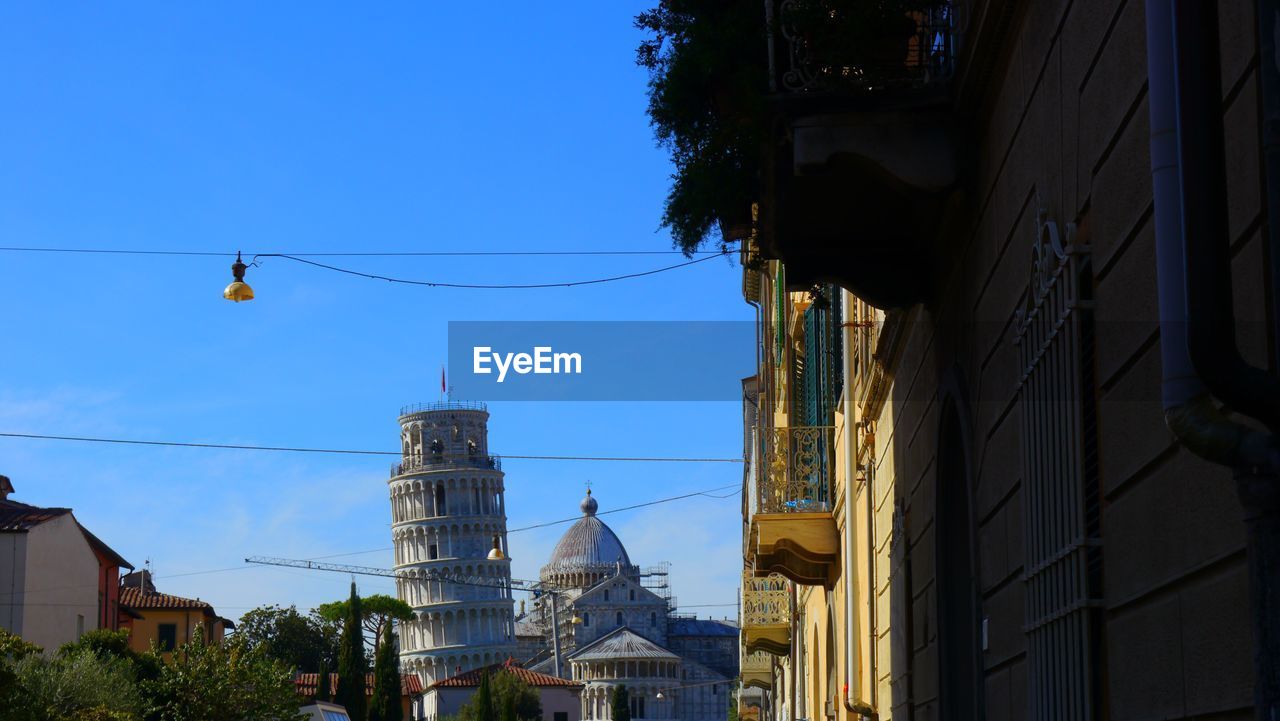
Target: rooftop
(306, 683)
(532, 678)
(20, 517)
(702, 627)
(133, 598)
(587, 544)
(621, 643)
(443, 406)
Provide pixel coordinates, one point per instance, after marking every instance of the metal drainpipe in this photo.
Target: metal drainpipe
(1193, 263)
(849, 442)
(1268, 24)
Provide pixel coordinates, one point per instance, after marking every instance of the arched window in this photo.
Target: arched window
(633, 594)
(653, 618)
(619, 618)
(586, 619)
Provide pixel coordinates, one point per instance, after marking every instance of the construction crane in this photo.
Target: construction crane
(537, 588)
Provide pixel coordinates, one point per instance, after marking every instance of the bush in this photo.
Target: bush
(77, 684)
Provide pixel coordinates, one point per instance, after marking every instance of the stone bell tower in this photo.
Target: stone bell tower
(446, 508)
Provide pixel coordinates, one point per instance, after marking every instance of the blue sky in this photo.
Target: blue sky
(326, 127)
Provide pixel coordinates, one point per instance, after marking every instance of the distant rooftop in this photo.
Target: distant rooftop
(444, 406)
(702, 627)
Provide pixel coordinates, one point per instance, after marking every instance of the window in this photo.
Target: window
(433, 552)
(619, 618)
(560, 716)
(637, 706)
(1064, 621)
(586, 619)
(606, 594)
(633, 594)
(168, 639)
(653, 618)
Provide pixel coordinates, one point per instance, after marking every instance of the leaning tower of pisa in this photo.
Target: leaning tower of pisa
(446, 507)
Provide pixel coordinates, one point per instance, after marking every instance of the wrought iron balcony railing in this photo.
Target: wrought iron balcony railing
(431, 463)
(766, 614)
(796, 469)
(834, 47)
(766, 601)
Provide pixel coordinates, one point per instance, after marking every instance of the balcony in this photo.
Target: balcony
(756, 669)
(863, 158)
(420, 464)
(791, 530)
(766, 625)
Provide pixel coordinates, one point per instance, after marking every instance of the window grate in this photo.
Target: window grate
(1062, 503)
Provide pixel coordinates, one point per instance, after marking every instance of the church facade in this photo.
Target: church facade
(611, 630)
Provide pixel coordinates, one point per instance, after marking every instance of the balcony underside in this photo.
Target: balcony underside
(772, 638)
(854, 200)
(804, 547)
(757, 679)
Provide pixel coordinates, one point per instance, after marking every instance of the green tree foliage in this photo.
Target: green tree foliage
(620, 703)
(225, 681)
(302, 642)
(108, 644)
(77, 684)
(352, 664)
(505, 697)
(386, 682)
(480, 707)
(708, 73)
(323, 691)
(733, 702)
(377, 614)
(12, 650)
(523, 700)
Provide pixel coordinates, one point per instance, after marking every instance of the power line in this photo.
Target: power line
(299, 258)
(350, 451)
(629, 508)
(490, 286)
(707, 493)
(383, 254)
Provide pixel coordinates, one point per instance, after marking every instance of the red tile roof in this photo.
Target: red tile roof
(410, 684)
(532, 678)
(19, 517)
(137, 599)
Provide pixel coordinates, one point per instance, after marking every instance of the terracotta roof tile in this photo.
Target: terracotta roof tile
(410, 684)
(20, 517)
(533, 678)
(137, 599)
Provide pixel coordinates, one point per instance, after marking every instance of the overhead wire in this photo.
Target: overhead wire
(367, 254)
(491, 286)
(302, 258)
(351, 451)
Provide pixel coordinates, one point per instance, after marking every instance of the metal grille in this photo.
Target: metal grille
(1055, 338)
(826, 46)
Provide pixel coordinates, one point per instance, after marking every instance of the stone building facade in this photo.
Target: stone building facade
(982, 513)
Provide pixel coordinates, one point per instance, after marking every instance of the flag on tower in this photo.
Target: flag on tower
(443, 387)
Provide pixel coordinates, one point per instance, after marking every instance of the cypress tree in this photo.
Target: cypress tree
(323, 691)
(620, 704)
(484, 701)
(352, 664)
(386, 682)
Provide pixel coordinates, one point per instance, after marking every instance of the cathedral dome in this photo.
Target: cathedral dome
(587, 551)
